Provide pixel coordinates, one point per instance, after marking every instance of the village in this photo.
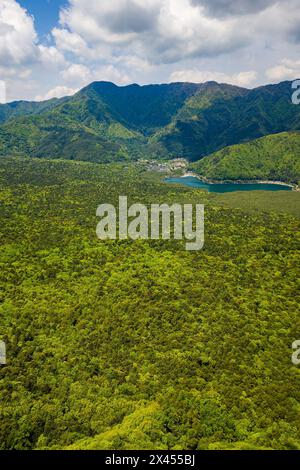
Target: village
(165, 167)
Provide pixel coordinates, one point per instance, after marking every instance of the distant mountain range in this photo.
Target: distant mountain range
(104, 122)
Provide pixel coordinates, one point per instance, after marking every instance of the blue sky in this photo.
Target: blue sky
(242, 42)
(45, 12)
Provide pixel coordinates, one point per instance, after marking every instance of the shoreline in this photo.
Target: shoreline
(208, 181)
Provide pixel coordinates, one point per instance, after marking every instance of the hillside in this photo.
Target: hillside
(274, 157)
(104, 122)
(26, 108)
(259, 112)
(140, 344)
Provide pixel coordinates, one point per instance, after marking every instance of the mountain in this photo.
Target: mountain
(274, 157)
(26, 108)
(105, 122)
(223, 122)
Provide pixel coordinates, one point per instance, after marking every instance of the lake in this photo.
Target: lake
(193, 182)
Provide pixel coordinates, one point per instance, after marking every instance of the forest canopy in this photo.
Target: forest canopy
(141, 344)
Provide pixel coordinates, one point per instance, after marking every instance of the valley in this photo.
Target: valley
(105, 123)
(123, 344)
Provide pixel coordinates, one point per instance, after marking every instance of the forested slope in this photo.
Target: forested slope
(274, 157)
(104, 122)
(131, 345)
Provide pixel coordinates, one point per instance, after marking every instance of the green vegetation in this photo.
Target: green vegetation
(220, 116)
(257, 201)
(106, 123)
(142, 345)
(26, 108)
(274, 157)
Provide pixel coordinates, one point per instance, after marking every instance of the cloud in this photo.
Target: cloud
(160, 31)
(111, 73)
(242, 79)
(2, 92)
(80, 75)
(131, 17)
(57, 92)
(190, 40)
(114, 22)
(224, 8)
(17, 34)
(77, 73)
(294, 34)
(50, 57)
(70, 42)
(24, 61)
(286, 70)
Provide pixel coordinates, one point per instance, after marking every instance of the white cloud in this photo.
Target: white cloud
(146, 39)
(114, 22)
(57, 92)
(17, 34)
(286, 70)
(242, 79)
(160, 31)
(70, 42)
(82, 75)
(2, 92)
(50, 57)
(77, 73)
(11, 72)
(24, 61)
(112, 74)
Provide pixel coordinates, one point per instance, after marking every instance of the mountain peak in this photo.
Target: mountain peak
(164, 120)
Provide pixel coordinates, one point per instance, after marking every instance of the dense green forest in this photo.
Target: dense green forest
(274, 157)
(107, 123)
(143, 345)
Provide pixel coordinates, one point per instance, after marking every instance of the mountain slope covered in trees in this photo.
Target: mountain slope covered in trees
(104, 122)
(274, 157)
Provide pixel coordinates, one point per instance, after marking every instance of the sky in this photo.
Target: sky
(45, 13)
(52, 48)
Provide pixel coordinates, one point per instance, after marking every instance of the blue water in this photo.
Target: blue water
(193, 182)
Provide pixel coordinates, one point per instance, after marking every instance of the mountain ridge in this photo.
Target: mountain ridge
(105, 122)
